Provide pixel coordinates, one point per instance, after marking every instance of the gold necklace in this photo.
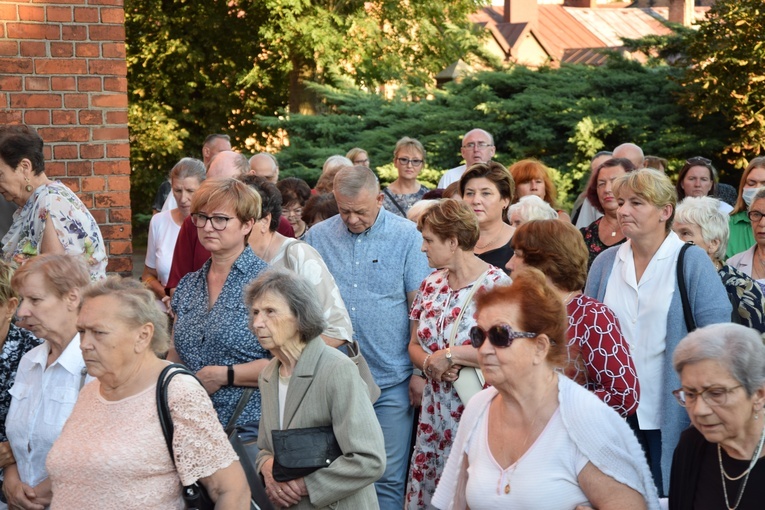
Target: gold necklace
(745, 474)
(490, 242)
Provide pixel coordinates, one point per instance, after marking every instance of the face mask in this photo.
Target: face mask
(748, 195)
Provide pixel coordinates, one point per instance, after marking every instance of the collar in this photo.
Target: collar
(740, 217)
(668, 248)
(70, 359)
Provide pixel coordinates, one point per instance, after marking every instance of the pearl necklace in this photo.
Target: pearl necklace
(724, 475)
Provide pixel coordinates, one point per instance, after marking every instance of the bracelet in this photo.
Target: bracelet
(425, 364)
(230, 375)
(147, 281)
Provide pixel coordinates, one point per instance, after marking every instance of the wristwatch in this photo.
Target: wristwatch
(449, 356)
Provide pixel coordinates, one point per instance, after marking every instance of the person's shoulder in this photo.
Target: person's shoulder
(321, 229)
(605, 260)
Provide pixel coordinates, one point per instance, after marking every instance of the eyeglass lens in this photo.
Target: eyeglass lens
(406, 161)
(218, 222)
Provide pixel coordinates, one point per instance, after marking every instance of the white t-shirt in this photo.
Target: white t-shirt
(163, 233)
(451, 176)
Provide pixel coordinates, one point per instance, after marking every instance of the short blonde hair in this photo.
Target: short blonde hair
(410, 143)
(233, 193)
(61, 273)
(651, 185)
(6, 290)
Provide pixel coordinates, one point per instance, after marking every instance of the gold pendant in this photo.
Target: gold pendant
(507, 489)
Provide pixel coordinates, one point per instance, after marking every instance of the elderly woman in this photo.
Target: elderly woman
(699, 220)
(112, 452)
(598, 355)
(532, 177)
(718, 461)
(49, 377)
(535, 438)
(529, 208)
(440, 345)
(698, 178)
(741, 237)
(752, 261)
(329, 170)
(185, 178)
(295, 193)
(51, 218)
(637, 280)
(309, 385)
(358, 157)
(405, 191)
(488, 189)
(605, 231)
(210, 335)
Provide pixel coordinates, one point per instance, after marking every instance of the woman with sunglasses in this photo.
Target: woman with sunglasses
(698, 178)
(718, 462)
(449, 233)
(535, 439)
(409, 160)
(211, 335)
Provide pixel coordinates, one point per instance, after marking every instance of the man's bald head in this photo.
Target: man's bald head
(265, 165)
(228, 164)
(630, 151)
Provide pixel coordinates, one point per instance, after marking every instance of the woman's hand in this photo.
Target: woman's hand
(416, 386)
(282, 494)
(18, 494)
(438, 364)
(213, 378)
(6, 454)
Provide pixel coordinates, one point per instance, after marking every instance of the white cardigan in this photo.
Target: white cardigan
(597, 430)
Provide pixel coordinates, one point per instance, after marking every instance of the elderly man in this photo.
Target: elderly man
(632, 152)
(477, 147)
(375, 258)
(213, 145)
(265, 165)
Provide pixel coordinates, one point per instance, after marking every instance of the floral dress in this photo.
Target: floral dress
(592, 239)
(436, 307)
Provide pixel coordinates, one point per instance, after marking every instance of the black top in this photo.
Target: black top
(499, 256)
(592, 239)
(696, 482)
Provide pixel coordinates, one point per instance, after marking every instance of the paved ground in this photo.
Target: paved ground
(139, 255)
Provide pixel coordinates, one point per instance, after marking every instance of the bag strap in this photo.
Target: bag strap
(243, 401)
(163, 409)
(690, 324)
(395, 202)
(473, 290)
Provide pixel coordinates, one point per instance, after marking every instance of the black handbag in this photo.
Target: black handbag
(300, 452)
(195, 495)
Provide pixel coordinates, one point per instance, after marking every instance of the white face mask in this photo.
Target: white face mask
(748, 195)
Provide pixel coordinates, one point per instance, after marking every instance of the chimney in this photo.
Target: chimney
(521, 11)
(682, 12)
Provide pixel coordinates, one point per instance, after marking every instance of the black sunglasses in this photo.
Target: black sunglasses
(499, 336)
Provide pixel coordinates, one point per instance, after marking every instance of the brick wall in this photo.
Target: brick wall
(63, 72)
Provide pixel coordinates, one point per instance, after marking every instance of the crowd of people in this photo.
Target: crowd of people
(470, 346)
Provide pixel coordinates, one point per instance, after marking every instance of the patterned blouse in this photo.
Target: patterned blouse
(746, 296)
(17, 343)
(592, 240)
(599, 356)
(404, 201)
(219, 336)
(77, 230)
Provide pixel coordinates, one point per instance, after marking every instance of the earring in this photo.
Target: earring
(28, 187)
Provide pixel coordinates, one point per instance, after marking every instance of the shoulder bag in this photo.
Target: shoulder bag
(690, 324)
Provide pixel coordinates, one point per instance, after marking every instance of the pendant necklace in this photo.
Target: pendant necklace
(745, 474)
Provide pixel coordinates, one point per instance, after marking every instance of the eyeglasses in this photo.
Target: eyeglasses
(501, 335)
(479, 145)
(217, 222)
(698, 160)
(755, 216)
(293, 212)
(361, 162)
(406, 161)
(715, 396)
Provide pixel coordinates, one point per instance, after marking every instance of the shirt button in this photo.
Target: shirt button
(353, 308)
(357, 263)
(354, 285)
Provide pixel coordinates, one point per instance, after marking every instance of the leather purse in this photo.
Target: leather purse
(300, 452)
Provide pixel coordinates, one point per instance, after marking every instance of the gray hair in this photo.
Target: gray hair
(760, 194)
(705, 212)
(479, 130)
(419, 207)
(531, 207)
(350, 181)
(737, 348)
(299, 295)
(137, 307)
(62, 272)
(336, 161)
(189, 167)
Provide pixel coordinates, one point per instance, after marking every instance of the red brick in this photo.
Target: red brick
(67, 2)
(120, 167)
(8, 12)
(117, 117)
(47, 152)
(36, 101)
(120, 265)
(61, 117)
(37, 117)
(110, 101)
(86, 14)
(90, 117)
(106, 33)
(112, 15)
(61, 134)
(3, 101)
(94, 184)
(10, 83)
(30, 13)
(37, 83)
(74, 32)
(62, 83)
(107, 2)
(75, 100)
(117, 150)
(111, 133)
(89, 84)
(65, 152)
(87, 50)
(61, 66)
(119, 183)
(9, 48)
(120, 248)
(115, 84)
(59, 49)
(33, 49)
(71, 183)
(87, 200)
(79, 168)
(92, 151)
(113, 67)
(114, 231)
(10, 117)
(33, 31)
(113, 50)
(61, 14)
(55, 169)
(16, 65)
(98, 214)
(120, 215)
